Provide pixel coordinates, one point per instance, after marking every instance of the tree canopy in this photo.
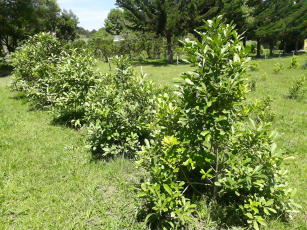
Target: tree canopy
(167, 18)
(20, 19)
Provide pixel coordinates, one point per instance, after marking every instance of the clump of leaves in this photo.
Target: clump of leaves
(253, 84)
(293, 63)
(253, 66)
(277, 68)
(264, 76)
(305, 65)
(297, 89)
(118, 110)
(69, 84)
(34, 62)
(207, 143)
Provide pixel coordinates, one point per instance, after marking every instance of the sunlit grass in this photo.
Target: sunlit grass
(48, 180)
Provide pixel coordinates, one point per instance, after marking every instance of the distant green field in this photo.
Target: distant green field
(48, 180)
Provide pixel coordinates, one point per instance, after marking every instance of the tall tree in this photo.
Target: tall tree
(66, 26)
(115, 22)
(22, 18)
(167, 18)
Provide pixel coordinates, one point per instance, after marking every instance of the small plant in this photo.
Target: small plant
(297, 89)
(277, 68)
(305, 65)
(253, 66)
(253, 84)
(293, 63)
(264, 76)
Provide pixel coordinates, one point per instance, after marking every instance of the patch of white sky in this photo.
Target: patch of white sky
(91, 13)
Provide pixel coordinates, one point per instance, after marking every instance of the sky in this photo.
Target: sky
(91, 13)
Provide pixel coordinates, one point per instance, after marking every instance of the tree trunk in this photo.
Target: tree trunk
(271, 48)
(258, 48)
(244, 41)
(285, 47)
(170, 53)
(296, 46)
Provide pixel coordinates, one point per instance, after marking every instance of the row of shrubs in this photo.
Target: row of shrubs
(116, 107)
(201, 145)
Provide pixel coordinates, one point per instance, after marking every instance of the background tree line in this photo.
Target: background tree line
(271, 22)
(20, 19)
(152, 29)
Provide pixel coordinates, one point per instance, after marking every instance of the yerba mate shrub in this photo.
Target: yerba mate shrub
(34, 63)
(73, 77)
(119, 110)
(208, 145)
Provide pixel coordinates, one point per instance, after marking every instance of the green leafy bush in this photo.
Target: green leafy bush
(70, 82)
(118, 111)
(293, 63)
(277, 68)
(297, 88)
(34, 62)
(253, 66)
(206, 143)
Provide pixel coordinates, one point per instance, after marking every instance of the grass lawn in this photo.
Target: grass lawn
(48, 181)
(47, 178)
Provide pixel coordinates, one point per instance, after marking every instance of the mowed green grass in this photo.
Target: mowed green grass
(48, 180)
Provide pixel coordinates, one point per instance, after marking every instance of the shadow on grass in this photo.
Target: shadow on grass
(155, 63)
(275, 55)
(74, 120)
(5, 69)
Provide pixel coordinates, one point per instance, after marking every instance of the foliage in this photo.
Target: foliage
(254, 66)
(297, 88)
(118, 110)
(293, 63)
(34, 63)
(277, 68)
(67, 26)
(208, 144)
(115, 22)
(162, 17)
(102, 47)
(70, 82)
(23, 18)
(51, 74)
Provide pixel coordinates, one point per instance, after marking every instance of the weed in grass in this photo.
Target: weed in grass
(297, 89)
(254, 66)
(277, 68)
(264, 77)
(293, 63)
(253, 84)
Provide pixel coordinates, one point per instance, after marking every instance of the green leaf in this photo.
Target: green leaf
(256, 226)
(167, 189)
(189, 81)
